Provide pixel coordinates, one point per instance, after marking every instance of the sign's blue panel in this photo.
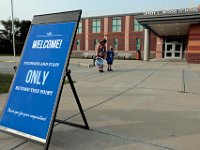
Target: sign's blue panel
(34, 92)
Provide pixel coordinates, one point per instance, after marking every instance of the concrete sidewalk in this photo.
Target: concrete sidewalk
(139, 106)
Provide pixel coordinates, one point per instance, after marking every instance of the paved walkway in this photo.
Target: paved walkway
(139, 106)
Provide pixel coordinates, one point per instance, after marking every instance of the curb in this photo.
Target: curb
(85, 65)
(9, 61)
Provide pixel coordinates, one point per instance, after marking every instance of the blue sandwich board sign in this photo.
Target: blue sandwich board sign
(36, 86)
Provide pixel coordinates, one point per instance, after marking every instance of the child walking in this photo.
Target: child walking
(110, 57)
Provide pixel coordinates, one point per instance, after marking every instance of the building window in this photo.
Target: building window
(116, 43)
(78, 45)
(79, 31)
(96, 41)
(138, 44)
(96, 25)
(137, 26)
(116, 24)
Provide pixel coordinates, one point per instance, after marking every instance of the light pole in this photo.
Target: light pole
(13, 31)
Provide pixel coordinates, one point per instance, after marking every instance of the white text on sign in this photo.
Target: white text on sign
(47, 44)
(37, 77)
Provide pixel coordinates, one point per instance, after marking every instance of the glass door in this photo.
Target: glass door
(173, 50)
(168, 50)
(177, 50)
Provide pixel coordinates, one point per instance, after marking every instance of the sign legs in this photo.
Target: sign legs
(85, 126)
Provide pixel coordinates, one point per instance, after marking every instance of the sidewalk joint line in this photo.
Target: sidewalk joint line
(131, 139)
(17, 146)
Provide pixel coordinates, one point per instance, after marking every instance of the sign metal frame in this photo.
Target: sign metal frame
(62, 17)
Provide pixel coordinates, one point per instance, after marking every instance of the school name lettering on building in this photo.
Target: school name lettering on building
(172, 11)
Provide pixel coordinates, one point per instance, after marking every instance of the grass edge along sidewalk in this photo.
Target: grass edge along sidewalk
(5, 82)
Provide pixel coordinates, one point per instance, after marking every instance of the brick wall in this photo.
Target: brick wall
(93, 36)
(80, 37)
(193, 48)
(116, 35)
(132, 35)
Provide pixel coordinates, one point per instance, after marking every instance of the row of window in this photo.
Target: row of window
(116, 25)
(115, 44)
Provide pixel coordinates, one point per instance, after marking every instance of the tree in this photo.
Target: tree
(21, 30)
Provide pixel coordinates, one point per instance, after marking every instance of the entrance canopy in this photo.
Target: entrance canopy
(175, 22)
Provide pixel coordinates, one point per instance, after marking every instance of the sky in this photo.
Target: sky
(26, 9)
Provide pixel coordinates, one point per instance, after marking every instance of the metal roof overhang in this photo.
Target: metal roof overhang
(169, 24)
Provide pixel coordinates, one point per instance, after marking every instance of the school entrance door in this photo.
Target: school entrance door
(173, 50)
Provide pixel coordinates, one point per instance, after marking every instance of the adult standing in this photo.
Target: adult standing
(101, 52)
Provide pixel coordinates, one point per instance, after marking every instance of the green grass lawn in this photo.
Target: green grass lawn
(5, 82)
